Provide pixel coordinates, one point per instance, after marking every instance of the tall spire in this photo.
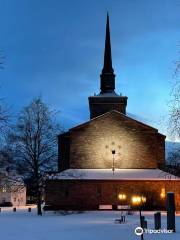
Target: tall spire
(107, 75)
(107, 68)
(107, 100)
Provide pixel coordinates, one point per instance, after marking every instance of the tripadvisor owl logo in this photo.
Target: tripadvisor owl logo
(138, 231)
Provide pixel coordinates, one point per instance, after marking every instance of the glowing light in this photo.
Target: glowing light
(4, 189)
(162, 194)
(137, 200)
(143, 199)
(122, 196)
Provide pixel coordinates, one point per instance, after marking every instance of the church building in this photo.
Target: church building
(111, 161)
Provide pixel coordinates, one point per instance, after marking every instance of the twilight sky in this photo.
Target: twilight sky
(54, 48)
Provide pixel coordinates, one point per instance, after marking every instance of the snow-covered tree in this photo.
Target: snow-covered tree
(35, 140)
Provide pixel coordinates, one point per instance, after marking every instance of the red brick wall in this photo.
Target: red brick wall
(89, 194)
(136, 145)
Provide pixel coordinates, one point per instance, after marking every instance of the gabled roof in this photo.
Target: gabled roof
(117, 113)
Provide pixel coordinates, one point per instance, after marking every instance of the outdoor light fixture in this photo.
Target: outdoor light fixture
(113, 152)
(162, 194)
(143, 199)
(139, 201)
(136, 200)
(113, 167)
(122, 196)
(4, 190)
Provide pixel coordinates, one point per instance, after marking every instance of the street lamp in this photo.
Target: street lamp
(139, 201)
(113, 166)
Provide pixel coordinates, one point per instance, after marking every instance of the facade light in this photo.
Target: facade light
(4, 190)
(138, 200)
(162, 194)
(122, 196)
(143, 199)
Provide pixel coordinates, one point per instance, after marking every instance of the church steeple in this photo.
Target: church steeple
(107, 75)
(107, 68)
(107, 100)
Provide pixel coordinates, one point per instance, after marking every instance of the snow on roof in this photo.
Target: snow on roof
(119, 174)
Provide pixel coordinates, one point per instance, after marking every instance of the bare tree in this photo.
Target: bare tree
(173, 164)
(4, 113)
(35, 140)
(174, 116)
(4, 119)
(6, 158)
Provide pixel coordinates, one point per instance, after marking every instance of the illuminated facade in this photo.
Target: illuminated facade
(111, 160)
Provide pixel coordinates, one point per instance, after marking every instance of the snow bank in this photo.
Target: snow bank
(84, 226)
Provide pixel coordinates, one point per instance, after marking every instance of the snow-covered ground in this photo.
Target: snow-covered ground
(22, 225)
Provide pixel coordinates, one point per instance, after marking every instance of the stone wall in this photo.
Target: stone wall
(137, 145)
(89, 194)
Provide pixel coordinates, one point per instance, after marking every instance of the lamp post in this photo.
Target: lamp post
(122, 200)
(113, 165)
(139, 201)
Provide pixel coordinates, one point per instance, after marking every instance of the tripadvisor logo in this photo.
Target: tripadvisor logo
(139, 231)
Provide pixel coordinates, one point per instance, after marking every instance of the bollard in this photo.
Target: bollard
(123, 218)
(157, 220)
(114, 207)
(142, 218)
(0, 209)
(14, 209)
(171, 211)
(144, 224)
(29, 209)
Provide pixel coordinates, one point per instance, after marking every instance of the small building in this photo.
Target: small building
(112, 158)
(12, 190)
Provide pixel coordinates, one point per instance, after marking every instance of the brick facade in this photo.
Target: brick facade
(89, 194)
(89, 145)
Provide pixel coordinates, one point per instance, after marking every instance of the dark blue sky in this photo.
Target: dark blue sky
(54, 48)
